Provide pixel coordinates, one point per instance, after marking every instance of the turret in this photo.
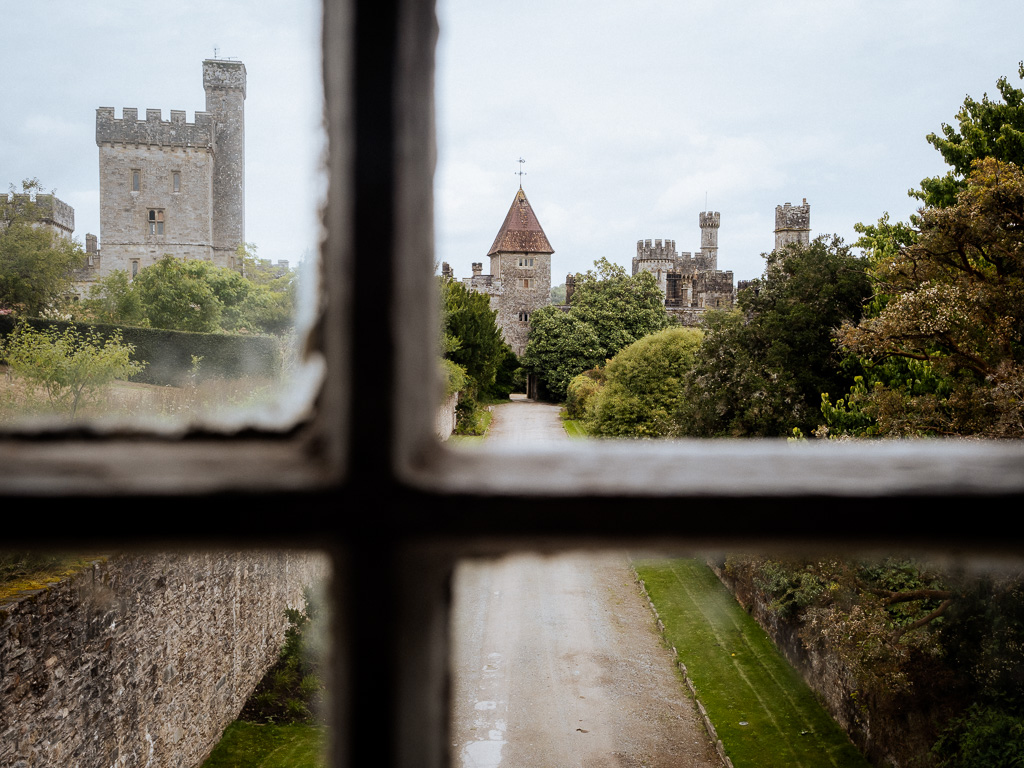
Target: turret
(224, 82)
(709, 223)
(792, 224)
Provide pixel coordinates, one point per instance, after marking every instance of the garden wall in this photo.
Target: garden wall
(896, 731)
(142, 659)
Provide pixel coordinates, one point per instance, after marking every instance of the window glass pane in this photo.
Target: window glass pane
(687, 160)
(139, 189)
(795, 659)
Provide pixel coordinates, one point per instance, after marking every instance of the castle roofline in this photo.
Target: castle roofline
(521, 232)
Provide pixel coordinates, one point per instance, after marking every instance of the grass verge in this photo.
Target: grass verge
(763, 711)
(574, 428)
(253, 745)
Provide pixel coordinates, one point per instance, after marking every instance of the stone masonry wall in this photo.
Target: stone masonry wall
(142, 659)
(515, 298)
(187, 213)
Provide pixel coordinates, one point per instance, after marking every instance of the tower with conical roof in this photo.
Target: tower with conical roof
(521, 263)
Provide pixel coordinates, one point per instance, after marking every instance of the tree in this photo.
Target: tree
(986, 129)
(178, 296)
(36, 263)
(194, 296)
(608, 312)
(561, 346)
(272, 305)
(474, 340)
(761, 370)
(643, 384)
(113, 300)
(957, 305)
(72, 367)
(620, 308)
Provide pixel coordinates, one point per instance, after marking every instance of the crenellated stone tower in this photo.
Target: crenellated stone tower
(174, 187)
(707, 259)
(792, 225)
(692, 283)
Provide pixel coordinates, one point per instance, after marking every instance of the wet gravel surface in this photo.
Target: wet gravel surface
(522, 421)
(558, 662)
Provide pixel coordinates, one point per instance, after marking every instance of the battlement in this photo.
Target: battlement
(154, 130)
(710, 219)
(659, 250)
(222, 75)
(793, 216)
(48, 209)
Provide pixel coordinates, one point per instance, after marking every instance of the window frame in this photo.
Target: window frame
(371, 441)
(155, 220)
(135, 180)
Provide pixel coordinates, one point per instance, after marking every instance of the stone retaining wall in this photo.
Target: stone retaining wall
(142, 659)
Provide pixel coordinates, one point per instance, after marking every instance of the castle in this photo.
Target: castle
(173, 187)
(520, 279)
(44, 210)
(691, 283)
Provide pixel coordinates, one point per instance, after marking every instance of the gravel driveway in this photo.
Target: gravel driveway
(557, 661)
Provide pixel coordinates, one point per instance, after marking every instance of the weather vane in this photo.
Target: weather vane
(520, 173)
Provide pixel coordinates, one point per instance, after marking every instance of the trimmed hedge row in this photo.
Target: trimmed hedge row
(168, 354)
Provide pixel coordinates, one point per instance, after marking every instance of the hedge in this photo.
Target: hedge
(168, 354)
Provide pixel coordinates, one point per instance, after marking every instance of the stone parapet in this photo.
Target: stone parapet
(153, 131)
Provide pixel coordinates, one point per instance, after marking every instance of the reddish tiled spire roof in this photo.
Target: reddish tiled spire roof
(521, 232)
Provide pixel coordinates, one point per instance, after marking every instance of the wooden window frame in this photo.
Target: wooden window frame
(365, 480)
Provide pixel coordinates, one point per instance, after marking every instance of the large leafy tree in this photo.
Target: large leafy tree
(561, 346)
(903, 394)
(609, 310)
(620, 308)
(36, 264)
(957, 305)
(194, 296)
(761, 370)
(985, 128)
(473, 339)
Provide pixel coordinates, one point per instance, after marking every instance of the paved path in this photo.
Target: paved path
(557, 660)
(558, 664)
(525, 421)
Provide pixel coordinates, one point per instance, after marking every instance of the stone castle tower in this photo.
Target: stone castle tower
(173, 187)
(692, 283)
(520, 278)
(792, 225)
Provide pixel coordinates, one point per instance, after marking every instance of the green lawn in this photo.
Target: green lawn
(764, 713)
(251, 745)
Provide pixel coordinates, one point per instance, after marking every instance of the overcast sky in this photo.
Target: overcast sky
(629, 115)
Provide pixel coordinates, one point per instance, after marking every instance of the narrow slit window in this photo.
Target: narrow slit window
(136, 180)
(176, 182)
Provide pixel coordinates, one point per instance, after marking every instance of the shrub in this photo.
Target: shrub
(580, 393)
(643, 385)
(72, 367)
